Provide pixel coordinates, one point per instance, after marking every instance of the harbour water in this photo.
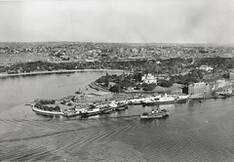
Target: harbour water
(193, 132)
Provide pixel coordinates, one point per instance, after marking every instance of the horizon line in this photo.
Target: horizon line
(171, 43)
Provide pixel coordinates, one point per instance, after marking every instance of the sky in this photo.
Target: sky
(136, 21)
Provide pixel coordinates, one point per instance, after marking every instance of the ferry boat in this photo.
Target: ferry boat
(155, 115)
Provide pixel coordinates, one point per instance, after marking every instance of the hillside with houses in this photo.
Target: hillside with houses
(197, 70)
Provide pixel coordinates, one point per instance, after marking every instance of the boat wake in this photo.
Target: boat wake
(63, 140)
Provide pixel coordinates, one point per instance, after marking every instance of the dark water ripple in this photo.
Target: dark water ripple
(74, 139)
(192, 136)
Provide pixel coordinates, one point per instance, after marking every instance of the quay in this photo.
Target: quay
(70, 109)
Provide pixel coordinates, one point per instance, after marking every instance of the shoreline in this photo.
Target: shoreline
(4, 75)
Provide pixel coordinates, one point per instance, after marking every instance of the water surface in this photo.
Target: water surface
(193, 132)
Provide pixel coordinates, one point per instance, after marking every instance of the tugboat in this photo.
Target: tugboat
(155, 115)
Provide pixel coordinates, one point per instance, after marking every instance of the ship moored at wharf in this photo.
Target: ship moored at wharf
(53, 109)
(159, 100)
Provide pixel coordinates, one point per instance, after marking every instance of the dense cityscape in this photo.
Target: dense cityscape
(89, 52)
(161, 65)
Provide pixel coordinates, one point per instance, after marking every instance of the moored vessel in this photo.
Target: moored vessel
(182, 99)
(121, 107)
(155, 114)
(90, 112)
(136, 101)
(159, 100)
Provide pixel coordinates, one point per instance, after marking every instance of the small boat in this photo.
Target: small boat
(121, 107)
(106, 111)
(155, 115)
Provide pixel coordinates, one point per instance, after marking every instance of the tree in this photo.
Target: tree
(115, 89)
(57, 108)
(148, 87)
(138, 77)
(106, 81)
(166, 83)
(226, 75)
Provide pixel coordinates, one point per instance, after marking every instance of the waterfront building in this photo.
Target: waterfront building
(198, 89)
(149, 78)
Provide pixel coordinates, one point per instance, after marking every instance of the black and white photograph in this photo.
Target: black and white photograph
(117, 80)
